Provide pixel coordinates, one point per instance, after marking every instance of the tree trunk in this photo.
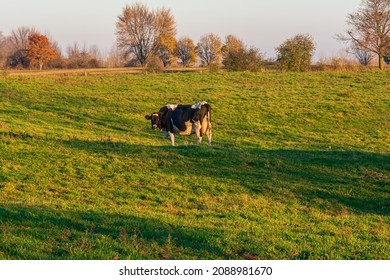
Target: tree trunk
(381, 62)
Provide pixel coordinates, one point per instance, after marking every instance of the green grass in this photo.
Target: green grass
(299, 167)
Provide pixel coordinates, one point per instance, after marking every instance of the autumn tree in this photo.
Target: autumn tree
(166, 41)
(40, 50)
(232, 44)
(369, 28)
(186, 51)
(209, 49)
(166, 51)
(296, 53)
(142, 32)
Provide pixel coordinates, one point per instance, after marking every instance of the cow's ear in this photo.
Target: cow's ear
(148, 117)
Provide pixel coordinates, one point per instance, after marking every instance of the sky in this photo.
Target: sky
(264, 24)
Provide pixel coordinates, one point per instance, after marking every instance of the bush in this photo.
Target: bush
(336, 63)
(154, 65)
(295, 54)
(214, 67)
(58, 63)
(243, 60)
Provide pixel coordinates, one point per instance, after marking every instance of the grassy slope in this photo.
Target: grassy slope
(300, 168)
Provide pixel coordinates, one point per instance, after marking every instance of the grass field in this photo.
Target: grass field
(299, 167)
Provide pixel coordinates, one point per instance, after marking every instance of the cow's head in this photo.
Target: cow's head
(155, 120)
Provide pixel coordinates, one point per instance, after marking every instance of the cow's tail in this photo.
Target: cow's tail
(209, 113)
(209, 117)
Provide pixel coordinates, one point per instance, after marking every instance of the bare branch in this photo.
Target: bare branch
(369, 28)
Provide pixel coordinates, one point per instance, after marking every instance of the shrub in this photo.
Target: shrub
(154, 64)
(340, 62)
(214, 67)
(295, 54)
(243, 60)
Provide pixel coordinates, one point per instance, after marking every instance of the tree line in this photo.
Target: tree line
(27, 48)
(147, 38)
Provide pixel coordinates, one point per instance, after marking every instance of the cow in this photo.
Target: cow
(183, 120)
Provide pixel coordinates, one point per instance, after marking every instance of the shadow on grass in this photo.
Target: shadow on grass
(353, 179)
(357, 180)
(66, 234)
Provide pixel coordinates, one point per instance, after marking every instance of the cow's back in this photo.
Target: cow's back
(181, 117)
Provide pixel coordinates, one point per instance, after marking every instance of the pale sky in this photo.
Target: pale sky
(264, 24)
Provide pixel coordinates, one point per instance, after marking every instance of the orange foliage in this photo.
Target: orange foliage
(40, 50)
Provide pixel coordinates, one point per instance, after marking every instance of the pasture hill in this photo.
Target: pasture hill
(299, 167)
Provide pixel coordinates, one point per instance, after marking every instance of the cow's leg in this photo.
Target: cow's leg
(209, 134)
(206, 128)
(172, 136)
(209, 137)
(198, 132)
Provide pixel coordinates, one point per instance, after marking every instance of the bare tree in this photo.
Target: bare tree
(4, 50)
(141, 31)
(115, 58)
(19, 37)
(73, 52)
(96, 57)
(364, 57)
(186, 51)
(95, 52)
(369, 28)
(59, 61)
(18, 42)
(135, 31)
(209, 49)
(77, 57)
(82, 57)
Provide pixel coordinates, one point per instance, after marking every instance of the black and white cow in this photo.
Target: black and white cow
(184, 120)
